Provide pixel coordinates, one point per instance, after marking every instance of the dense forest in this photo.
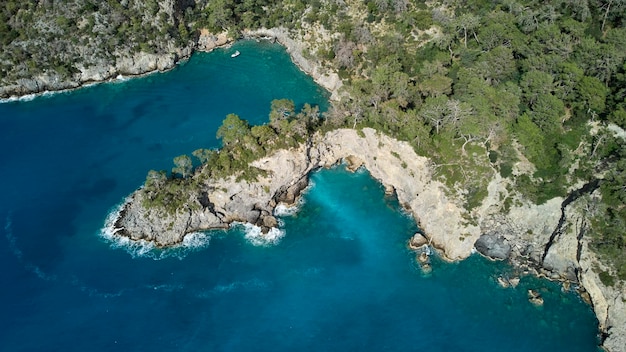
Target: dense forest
(519, 89)
(57, 37)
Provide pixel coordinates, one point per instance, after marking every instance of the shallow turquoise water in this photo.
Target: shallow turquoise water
(340, 279)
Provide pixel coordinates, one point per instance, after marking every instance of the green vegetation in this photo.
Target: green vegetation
(241, 145)
(606, 278)
(502, 83)
(58, 38)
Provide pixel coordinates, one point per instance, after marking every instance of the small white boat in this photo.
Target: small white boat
(235, 54)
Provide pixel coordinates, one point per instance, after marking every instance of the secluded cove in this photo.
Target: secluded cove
(340, 279)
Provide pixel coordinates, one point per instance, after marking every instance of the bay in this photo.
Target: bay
(341, 278)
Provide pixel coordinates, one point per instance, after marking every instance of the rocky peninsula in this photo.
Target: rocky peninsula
(539, 239)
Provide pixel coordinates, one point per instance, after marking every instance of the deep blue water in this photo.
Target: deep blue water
(340, 279)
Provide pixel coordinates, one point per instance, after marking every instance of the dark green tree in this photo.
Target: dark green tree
(183, 166)
(232, 130)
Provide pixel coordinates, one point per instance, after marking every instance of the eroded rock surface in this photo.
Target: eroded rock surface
(493, 246)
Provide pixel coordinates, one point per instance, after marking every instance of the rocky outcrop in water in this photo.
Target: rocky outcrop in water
(219, 203)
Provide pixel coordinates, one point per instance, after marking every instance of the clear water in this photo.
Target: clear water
(340, 279)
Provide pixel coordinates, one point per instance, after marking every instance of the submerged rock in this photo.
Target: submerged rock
(504, 283)
(535, 297)
(423, 258)
(426, 268)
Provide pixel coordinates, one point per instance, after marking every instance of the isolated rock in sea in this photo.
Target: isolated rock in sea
(535, 297)
(493, 246)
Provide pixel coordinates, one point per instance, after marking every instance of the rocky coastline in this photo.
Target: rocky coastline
(127, 66)
(144, 63)
(525, 235)
(545, 240)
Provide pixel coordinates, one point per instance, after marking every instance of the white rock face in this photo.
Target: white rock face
(95, 73)
(144, 62)
(608, 302)
(396, 165)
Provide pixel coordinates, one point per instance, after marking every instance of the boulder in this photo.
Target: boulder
(493, 246)
(423, 258)
(269, 221)
(504, 283)
(417, 241)
(535, 298)
(353, 163)
(289, 194)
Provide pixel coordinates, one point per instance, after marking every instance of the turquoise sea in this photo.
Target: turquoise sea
(341, 278)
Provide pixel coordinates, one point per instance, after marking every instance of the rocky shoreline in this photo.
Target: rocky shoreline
(143, 63)
(130, 66)
(525, 235)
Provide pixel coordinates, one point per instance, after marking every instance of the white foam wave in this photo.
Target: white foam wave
(12, 99)
(196, 240)
(40, 273)
(136, 248)
(32, 96)
(308, 272)
(167, 288)
(283, 209)
(255, 235)
(142, 248)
